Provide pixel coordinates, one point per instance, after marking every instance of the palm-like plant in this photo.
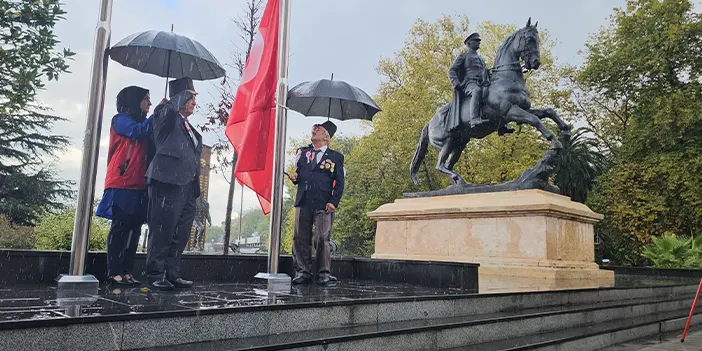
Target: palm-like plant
(579, 165)
(670, 251)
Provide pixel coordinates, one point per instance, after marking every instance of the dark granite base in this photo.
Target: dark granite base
(38, 302)
(36, 267)
(667, 273)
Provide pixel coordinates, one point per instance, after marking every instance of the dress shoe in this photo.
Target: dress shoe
(162, 284)
(131, 279)
(181, 283)
(302, 279)
(323, 280)
(122, 282)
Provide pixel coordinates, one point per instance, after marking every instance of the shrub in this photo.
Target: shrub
(56, 232)
(15, 237)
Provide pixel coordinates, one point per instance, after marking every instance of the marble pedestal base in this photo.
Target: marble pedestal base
(527, 234)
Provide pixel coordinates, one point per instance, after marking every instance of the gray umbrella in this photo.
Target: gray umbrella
(331, 98)
(167, 54)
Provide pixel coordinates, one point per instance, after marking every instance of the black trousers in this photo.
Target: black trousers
(305, 220)
(171, 215)
(122, 241)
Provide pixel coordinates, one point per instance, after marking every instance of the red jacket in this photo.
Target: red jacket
(126, 157)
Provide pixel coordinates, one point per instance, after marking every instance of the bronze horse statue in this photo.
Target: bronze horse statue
(505, 100)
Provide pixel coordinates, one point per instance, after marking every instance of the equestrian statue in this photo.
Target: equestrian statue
(486, 101)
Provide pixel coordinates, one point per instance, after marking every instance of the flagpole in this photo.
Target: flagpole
(76, 279)
(279, 145)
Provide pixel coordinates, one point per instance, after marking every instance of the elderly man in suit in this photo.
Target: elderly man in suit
(319, 177)
(173, 186)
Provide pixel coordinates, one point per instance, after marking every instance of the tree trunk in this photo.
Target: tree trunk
(230, 208)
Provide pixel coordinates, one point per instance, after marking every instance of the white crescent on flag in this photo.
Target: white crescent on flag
(254, 61)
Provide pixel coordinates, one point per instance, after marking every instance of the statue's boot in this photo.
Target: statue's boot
(504, 130)
(477, 121)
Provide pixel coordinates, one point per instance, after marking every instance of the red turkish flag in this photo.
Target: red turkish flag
(251, 124)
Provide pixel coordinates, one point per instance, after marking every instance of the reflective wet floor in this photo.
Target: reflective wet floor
(39, 301)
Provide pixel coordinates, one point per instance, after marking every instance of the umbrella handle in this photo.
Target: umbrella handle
(168, 71)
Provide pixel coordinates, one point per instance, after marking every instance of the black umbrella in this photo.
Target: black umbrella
(333, 99)
(167, 54)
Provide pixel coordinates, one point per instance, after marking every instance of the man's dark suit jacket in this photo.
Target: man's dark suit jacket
(315, 181)
(177, 159)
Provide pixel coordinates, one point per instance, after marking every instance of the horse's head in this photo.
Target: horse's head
(528, 46)
(521, 45)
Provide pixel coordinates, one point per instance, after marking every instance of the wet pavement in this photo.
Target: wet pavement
(693, 341)
(39, 302)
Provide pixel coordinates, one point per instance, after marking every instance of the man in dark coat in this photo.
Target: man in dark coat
(319, 177)
(173, 186)
(469, 75)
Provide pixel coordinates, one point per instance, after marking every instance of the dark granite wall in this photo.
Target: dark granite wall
(33, 267)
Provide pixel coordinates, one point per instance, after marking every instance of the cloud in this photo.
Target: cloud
(170, 3)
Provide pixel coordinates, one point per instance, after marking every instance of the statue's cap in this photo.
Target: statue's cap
(474, 36)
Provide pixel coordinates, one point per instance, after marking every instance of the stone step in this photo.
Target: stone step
(492, 331)
(593, 337)
(432, 317)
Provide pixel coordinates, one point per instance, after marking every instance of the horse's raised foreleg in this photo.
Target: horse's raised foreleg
(552, 115)
(518, 115)
(446, 154)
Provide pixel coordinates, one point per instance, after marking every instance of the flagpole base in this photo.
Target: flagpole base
(276, 282)
(75, 290)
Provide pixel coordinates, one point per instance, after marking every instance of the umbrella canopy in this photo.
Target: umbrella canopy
(167, 54)
(331, 98)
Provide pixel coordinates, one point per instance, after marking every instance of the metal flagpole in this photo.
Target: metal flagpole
(91, 145)
(274, 279)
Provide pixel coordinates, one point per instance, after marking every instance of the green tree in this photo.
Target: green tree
(27, 58)
(649, 61)
(579, 166)
(214, 233)
(415, 84)
(55, 232)
(15, 237)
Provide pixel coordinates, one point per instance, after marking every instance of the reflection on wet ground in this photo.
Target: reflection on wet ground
(39, 301)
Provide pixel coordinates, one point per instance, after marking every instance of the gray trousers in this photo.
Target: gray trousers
(171, 215)
(305, 218)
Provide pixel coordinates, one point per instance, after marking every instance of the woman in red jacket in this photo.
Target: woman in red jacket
(125, 198)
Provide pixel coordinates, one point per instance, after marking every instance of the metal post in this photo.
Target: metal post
(91, 145)
(280, 129)
(275, 280)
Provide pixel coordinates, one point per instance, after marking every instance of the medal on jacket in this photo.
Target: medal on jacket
(309, 156)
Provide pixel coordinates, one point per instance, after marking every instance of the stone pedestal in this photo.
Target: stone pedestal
(529, 234)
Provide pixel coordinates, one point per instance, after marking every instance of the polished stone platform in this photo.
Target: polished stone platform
(215, 315)
(38, 301)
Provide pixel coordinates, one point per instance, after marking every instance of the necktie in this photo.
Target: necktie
(190, 132)
(314, 155)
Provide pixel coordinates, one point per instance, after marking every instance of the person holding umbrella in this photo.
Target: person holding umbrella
(124, 200)
(173, 178)
(319, 177)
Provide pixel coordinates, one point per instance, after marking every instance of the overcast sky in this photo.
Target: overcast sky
(346, 38)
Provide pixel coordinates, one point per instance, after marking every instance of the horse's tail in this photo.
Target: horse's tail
(420, 153)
